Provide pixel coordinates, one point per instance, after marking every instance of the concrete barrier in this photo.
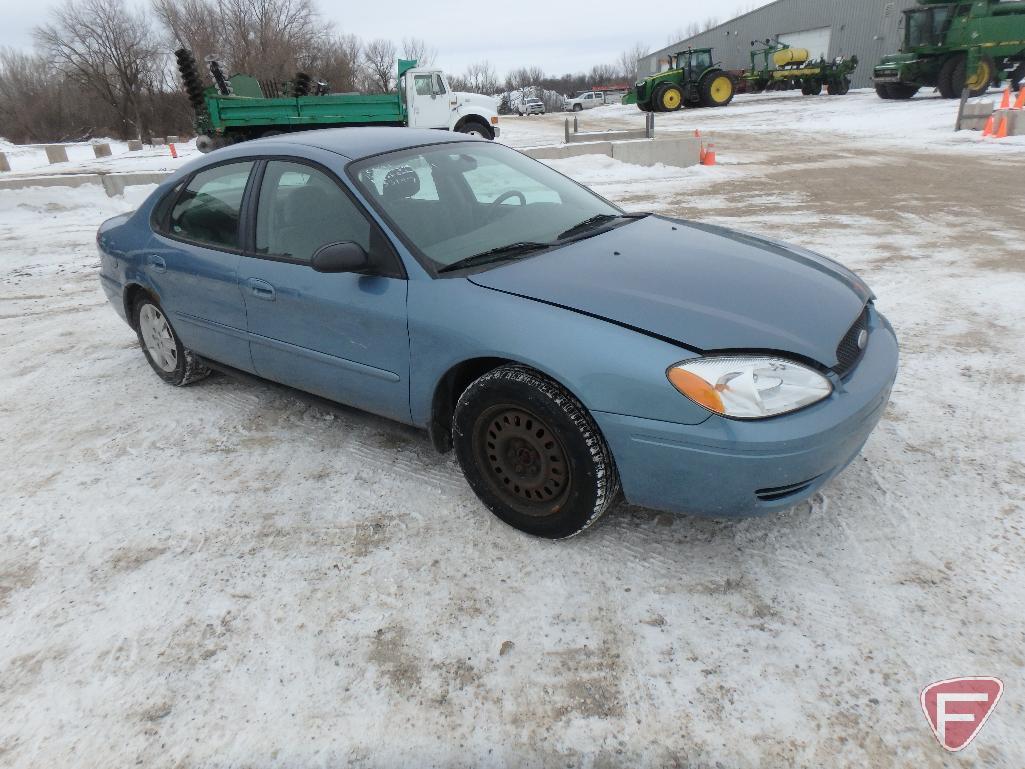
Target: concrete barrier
(682, 151)
(158, 141)
(113, 184)
(134, 145)
(4, 164)
(101, 150)
(172, 140)
(56, 153)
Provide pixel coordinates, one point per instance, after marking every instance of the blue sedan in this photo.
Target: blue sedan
(568, 351)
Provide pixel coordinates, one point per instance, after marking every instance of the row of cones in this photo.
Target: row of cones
(999, 130)
(707, 156)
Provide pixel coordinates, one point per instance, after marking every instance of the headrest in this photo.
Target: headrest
(401, 182)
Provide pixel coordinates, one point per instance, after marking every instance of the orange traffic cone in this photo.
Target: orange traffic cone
(701, 153)
(697, 133)
(1020, 104)
(174, 152)
(1002, 130)
(1005, 103)
(987, 129)
(709, 159)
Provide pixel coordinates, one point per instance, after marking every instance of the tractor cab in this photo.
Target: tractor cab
(927, 27)
(693, 61)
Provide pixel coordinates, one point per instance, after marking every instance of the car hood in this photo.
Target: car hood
(704, 287)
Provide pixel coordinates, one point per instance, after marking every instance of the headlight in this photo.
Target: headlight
(749, 386)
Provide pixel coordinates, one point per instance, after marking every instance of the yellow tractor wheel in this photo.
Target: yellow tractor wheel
(982, 77)
(670, 98)
(717, 89)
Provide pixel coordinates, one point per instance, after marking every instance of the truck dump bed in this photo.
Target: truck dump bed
(227, 112)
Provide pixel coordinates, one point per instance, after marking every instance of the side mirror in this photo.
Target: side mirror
(341, 257)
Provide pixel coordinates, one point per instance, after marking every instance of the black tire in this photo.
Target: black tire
(533, 454)
(671, 93)
(902, 90)
(883, 90)
(959, 73)
(839, 87)
(578, 108)
(187, 366)
(476, 128)
(945, 79)
(811, 87)
(716, 89)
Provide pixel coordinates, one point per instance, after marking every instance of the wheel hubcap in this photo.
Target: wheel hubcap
(671, 99)
(981, 77)
(721, 89)
(157, 336)
(523, 460)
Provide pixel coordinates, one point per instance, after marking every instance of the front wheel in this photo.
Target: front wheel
(533, 454)
(716, 89)
(168, 357)
(475, 128)
(902, 90)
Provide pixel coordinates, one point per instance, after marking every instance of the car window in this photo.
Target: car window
(301, 209)
(422, 85)
(207, 211)
(439, 84)
(451, 201)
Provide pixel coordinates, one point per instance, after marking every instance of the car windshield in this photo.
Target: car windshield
(451, 202)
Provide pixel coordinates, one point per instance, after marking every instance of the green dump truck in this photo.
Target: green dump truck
(239, 107)
(952, 46)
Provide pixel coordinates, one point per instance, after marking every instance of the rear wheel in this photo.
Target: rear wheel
(976, 82)
(839, 87)
(169, 358)
(716, 89)
(532, 453)
(811, 87)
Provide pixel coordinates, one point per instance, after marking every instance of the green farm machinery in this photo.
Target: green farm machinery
(692, 80)
(783, 68)
(953, 46)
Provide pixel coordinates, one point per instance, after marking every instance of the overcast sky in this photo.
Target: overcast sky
(560, 37)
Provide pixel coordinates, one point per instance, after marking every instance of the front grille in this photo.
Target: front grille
(777, 493)
(848, 353)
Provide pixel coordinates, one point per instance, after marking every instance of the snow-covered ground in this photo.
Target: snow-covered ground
(232, 574)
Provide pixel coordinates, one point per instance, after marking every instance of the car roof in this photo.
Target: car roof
(363, 141)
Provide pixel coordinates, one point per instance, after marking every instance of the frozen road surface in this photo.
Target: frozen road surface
(234, 575)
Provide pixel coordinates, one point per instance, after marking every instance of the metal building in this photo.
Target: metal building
(868, 29)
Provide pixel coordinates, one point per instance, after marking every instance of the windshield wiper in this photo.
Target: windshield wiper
(496, 254)
(596, 221)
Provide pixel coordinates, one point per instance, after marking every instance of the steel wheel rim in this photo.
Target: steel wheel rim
(157, 336)
(523, 460)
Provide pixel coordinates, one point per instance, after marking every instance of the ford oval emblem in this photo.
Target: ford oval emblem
(862, 339)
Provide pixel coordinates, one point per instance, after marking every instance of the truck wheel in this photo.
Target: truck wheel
(902, 90)
(475, 128)
(532, 453)
(578, 108)
(945, 79)
(883, 90)
(811, 87)
(716, 89)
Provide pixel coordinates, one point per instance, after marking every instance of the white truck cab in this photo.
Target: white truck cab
(431, 103)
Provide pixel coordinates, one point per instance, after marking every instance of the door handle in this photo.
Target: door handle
(157, 263)
(261, 289)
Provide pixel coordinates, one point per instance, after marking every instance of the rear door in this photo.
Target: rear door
(343, 335)
(193, 263)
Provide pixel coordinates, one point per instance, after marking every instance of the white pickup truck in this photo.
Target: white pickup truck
(585, 100)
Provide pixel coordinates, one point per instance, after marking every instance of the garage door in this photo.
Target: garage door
(815, 40)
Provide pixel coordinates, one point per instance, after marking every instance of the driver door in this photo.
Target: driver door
(428, 98)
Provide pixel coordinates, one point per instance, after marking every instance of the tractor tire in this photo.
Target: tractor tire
(883, 90)
(978, 82)
(811, 87)
(668, 97)
(902, 90)
(716, 88)
(945, 79)
(839, 87)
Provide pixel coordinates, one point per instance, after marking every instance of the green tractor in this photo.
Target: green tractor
(952, 46)
(692, 80)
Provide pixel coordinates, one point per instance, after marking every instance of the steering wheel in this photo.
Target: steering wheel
(509, 194)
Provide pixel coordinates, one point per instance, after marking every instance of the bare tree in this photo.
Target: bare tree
(479, 77)
(417, 49)
(337, 60)
(379, 64)
(628, 61)
(602, 74)
(108, 49)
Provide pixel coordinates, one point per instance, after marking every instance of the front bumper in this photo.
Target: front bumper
(727, 468)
